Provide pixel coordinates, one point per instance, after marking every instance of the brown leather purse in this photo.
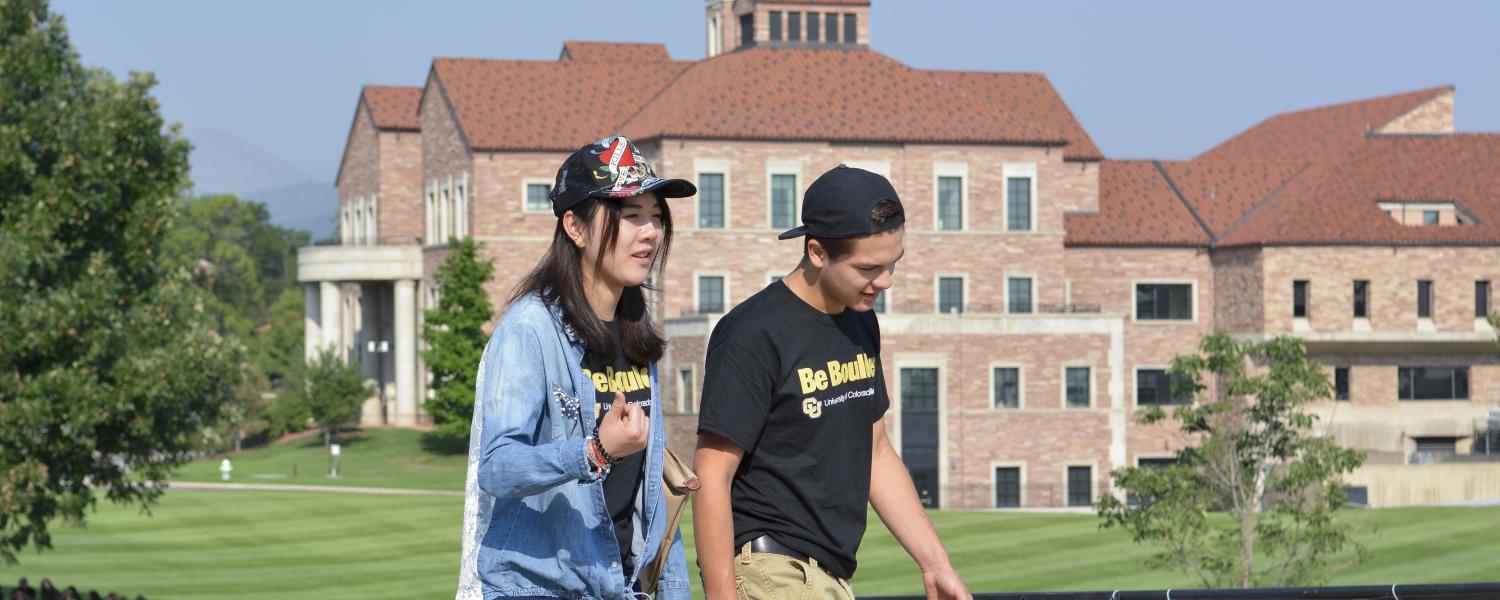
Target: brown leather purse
(678, 482)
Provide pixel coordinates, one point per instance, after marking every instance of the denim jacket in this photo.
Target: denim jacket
(535, 522)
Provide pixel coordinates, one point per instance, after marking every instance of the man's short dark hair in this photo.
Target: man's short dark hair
(836, 248)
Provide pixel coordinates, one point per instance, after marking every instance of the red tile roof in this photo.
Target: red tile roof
(857, 95)
(1338, 202)
(1137, 207)
(393, 108)
(544, 105)
(614, 52)
(1223, 192)
(1310, 177)
(1319, 133)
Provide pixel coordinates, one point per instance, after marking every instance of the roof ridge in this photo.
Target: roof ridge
(1180, 198)
(659, 91)
(1264, 201)
(1427, 93)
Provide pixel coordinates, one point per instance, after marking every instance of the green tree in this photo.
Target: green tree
(1254, 502)
(245, 263)
(335, 390)
(110, 366)
(454, 331)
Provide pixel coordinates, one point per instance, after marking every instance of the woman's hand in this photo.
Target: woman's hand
(624, 429)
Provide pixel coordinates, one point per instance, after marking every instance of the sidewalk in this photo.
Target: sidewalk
(282, 487)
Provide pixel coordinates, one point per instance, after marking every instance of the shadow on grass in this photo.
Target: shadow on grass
(344, 438)
(438, 442)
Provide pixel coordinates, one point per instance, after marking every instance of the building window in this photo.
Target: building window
(710, 294)
(1433, 383)
(1424, 299)
(794, 27)
(1299, 299)
(1080, 486)
(1078, 382)
(747, 30)
(1361, 299)
(950, 295)
(1018, 295)
(1018, 204)
(1153, 387)
(1341, 383)
(1429, 217)
(1164, 302)
(711, 200)
(851, 28)
(831, 27)
(1007, 387)
(783, 201)
(431, 225)
(775, 26)
(950, 203)
(1007, 487)
(1481, 298)
(1432, 446)
(686, 396)
(880, 301)
(812, 26)
(536, 197)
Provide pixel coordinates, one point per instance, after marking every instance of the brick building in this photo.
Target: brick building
(1045, 288)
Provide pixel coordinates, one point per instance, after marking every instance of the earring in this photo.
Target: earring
(578, 242)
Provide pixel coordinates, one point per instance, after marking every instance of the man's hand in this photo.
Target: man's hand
(945, 585)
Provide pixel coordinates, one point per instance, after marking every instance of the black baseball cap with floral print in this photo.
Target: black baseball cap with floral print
(611, 168)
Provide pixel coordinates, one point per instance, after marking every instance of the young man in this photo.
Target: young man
(791, 438)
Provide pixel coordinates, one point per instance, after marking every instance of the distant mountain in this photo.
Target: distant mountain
(308, 205)
(224, 163)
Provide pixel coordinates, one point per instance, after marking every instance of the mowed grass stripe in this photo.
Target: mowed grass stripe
(209, 544)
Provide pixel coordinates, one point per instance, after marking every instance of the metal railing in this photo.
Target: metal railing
(977, 309)
(1459, 591)
(384, 240)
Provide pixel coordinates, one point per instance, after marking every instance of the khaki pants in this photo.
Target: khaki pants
(768, 576)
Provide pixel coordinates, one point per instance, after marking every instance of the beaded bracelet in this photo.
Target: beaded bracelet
(599, 445)
(594, 458)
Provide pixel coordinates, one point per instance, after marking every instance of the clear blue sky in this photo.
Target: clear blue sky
(1161, 79)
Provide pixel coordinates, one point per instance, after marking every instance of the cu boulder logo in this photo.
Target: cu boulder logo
(812, 408)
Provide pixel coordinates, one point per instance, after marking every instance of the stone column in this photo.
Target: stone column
(312, 334)
(332, 319)
(406, 352)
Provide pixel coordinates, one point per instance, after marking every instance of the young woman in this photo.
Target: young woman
(564, 493)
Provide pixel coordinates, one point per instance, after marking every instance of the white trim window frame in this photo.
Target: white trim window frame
(1005, 293)
(1192, 293)
(941, 171)
(1020, 386)
(1092, 389)
(698, 292)
(713, 166)
(1020, 466)
(790, 168)
(545, 207)
(1015, 171)
(937, 292)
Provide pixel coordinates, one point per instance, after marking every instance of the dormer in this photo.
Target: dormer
(735, 24)
(1427, 213)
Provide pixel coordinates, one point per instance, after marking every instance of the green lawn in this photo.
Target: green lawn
(288, 545)
(251, 544)
(370, 458)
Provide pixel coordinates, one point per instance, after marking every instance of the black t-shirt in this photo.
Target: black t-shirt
(624, 480)
(799, 390)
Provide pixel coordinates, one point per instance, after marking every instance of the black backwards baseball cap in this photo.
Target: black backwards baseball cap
(610, 168)
(838, 205)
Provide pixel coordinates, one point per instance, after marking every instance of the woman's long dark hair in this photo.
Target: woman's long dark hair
(558, 279)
